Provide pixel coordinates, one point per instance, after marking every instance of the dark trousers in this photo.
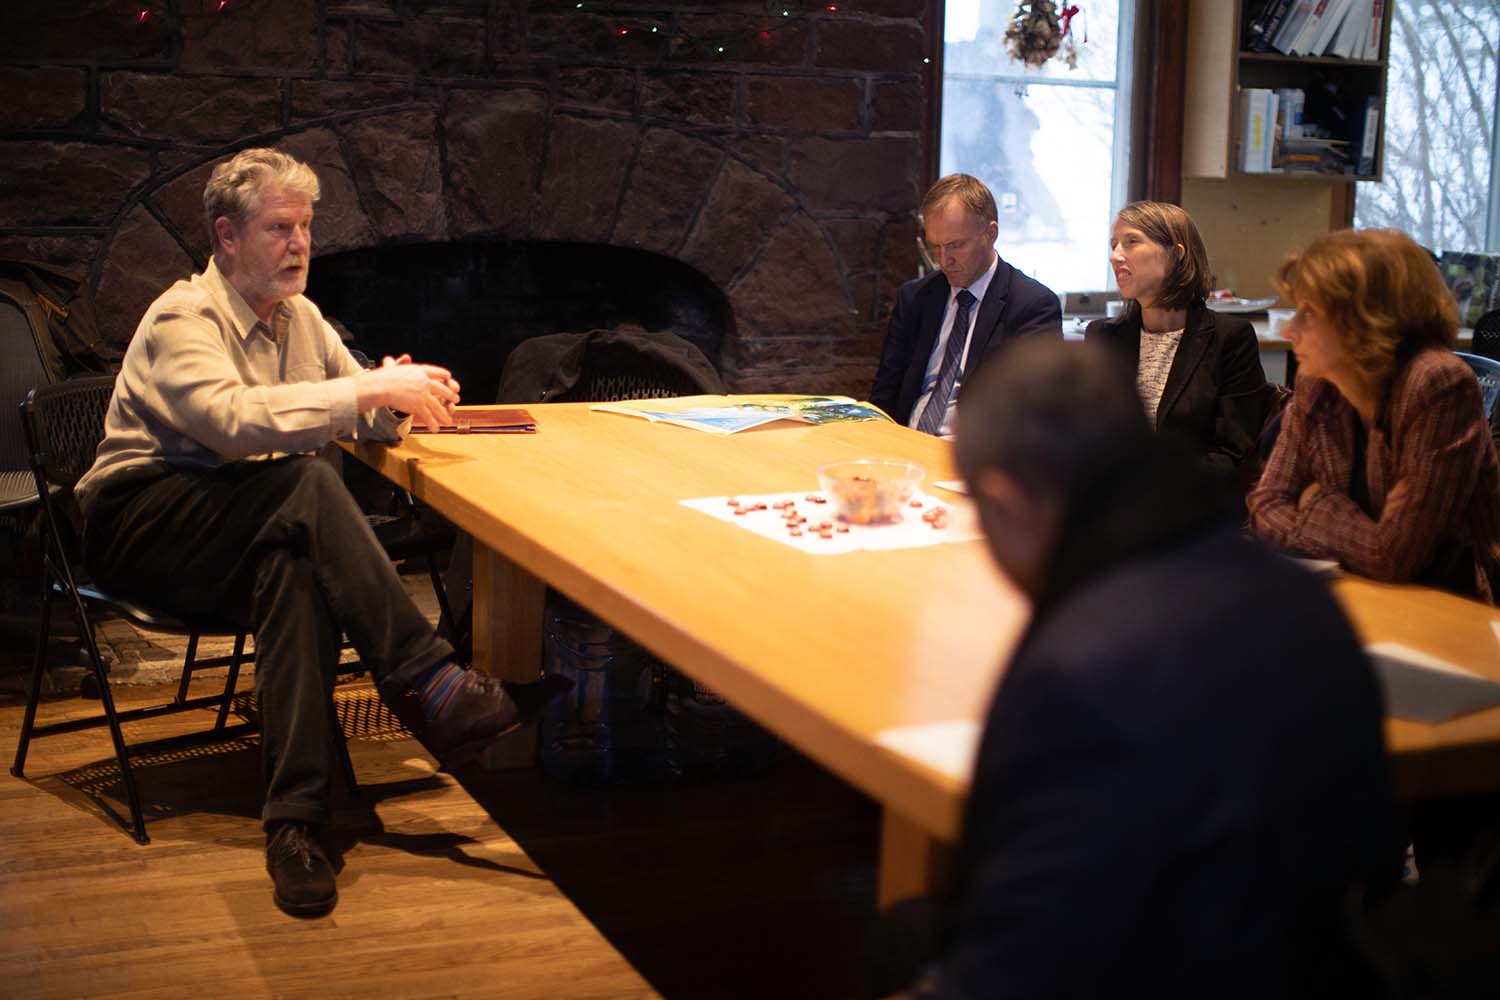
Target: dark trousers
(281, 548)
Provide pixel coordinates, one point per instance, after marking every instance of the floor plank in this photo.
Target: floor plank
(427, 877)
(493, 884)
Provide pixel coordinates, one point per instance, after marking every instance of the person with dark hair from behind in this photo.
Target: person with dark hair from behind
(1172, 798)
(945, 325)
(1385, 461)
(1198, 372)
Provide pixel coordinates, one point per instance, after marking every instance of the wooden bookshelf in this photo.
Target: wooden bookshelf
(1219, 67)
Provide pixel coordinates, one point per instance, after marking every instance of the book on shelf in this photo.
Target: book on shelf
(1262, 25)
(1311, 27)
(1372, 37)
(1257, 134)
(1336, 14)
(1369, 133)
(1292, 25)
(1291, 103)
(1315, 161)
(1324, 156)
(1349, 40)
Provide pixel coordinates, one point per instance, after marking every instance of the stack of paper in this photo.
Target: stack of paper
(946, 747)
(1424, 688)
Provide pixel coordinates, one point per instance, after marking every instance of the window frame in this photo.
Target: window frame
(1157, 84)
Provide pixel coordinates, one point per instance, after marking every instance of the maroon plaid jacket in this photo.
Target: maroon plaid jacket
(1430, 471)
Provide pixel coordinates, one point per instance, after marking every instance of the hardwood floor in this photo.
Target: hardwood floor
(492, 884)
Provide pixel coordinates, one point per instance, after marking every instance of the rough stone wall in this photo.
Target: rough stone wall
(785, 168)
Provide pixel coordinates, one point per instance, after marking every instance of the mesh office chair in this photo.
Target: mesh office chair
(64, 424)
(612, 373)
(1487, 371)
(1487, 335)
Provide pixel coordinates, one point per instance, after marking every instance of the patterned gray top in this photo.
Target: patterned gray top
(1157, 352)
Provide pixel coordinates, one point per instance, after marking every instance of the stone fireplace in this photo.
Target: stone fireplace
(471, 302)
(769, 161)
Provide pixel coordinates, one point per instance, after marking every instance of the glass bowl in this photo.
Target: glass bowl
(870, 490)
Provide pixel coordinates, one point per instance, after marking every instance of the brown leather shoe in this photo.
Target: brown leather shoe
(485, 709)
(300, 871)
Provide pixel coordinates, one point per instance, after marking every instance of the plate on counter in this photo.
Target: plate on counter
(1241, 305)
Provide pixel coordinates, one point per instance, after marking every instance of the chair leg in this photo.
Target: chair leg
(38, 667)
(445, 613)
(341, 744)
(189, 658)
(231, 681)
(137, 818)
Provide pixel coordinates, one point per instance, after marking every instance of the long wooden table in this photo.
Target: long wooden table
(827, 651)
(1463, 754)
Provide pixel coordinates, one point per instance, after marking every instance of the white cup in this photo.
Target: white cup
(1276, 319)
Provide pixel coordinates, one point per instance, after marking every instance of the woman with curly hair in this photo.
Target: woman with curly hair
(1385, 461)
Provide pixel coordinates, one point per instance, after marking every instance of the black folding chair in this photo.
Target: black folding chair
(23, 371)
(1487, 336)
(64, 424)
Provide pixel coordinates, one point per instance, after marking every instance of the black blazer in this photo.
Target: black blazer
(1169, 799)
(1014, 305)
(1215, 397)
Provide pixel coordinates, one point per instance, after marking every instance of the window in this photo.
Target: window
(1442, 176)
(1053, 144)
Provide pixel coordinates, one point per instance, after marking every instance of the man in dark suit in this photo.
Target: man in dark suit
(924, 362)
(1171, 798)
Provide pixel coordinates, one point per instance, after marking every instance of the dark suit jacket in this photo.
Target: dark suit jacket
(1171, 799)
(1216, 393)
(1014, 305)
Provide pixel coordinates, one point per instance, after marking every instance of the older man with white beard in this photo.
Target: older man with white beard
(205, 497)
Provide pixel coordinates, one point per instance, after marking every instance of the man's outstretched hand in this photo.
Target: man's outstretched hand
(429, 393)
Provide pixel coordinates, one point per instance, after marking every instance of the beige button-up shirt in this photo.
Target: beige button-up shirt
(204, 382)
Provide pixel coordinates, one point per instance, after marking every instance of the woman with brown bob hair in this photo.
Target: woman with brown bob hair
(1385, 461)
(1198, 373)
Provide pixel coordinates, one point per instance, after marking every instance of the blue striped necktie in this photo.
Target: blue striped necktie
(953, 358)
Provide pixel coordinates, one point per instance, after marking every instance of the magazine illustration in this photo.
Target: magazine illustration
(731, 414)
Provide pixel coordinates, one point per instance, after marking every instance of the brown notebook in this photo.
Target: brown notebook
(486, 420)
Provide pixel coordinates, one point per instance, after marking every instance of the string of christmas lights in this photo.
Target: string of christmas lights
(775, 19)
(146, 11)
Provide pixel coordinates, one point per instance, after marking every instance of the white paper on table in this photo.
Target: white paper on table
(1424, 688)
(1321, 567)
(952, 485)
(909, 533)
(947, 747)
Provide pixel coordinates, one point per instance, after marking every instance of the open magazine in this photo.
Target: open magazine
(729, 414)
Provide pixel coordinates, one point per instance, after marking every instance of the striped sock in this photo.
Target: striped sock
(436, 688)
